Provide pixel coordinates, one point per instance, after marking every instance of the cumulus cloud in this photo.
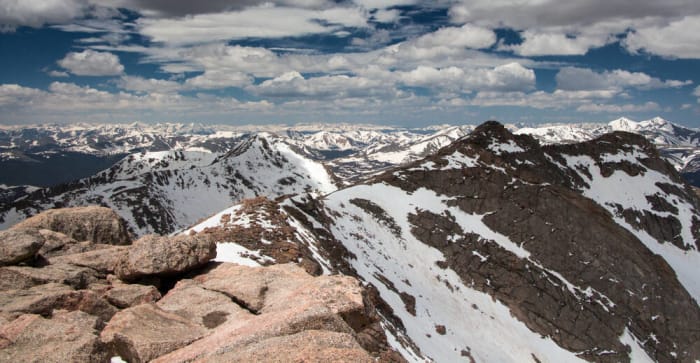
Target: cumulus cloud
(14, 13)
(217, 79)
(257, 22)
(148, 85)
(575, 79)
(92, 63)
(537, 43)
(293, 84)
(466, 36)
(508, 77)
(170, 8)
(678, 39)
(14, 94)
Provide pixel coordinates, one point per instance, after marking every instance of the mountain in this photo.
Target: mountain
(167, 190)
(498, 249)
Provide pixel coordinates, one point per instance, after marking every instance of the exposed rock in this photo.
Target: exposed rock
(127, 295)
(21, 277)
(17, 246)
(103, 260)
(164, 256)
(306, 346)
(44, 299)
(55, 243)
(287, 301)
(144, 332)
(66, 337)
(205, 307)
(92, 223)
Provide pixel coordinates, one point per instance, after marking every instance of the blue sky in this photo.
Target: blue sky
(399, 62)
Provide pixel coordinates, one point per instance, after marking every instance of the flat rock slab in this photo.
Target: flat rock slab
(21, 277)
(103, 260)
(144, 332)
(66, 337)
(154, 255)
(128, 295)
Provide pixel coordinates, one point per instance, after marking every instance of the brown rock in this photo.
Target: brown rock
(44, 299)
(92, 223)
(144, 332)
(306, 346)
(205, 307)
(103, 260)
(237, 334)
(67, 337)
(55, 243)
(127, 295)
(20, 277)
(18, 246)
(163, 256)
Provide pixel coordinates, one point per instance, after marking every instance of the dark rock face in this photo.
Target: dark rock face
(586, 278)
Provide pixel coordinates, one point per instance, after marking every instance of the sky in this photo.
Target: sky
(394, 62)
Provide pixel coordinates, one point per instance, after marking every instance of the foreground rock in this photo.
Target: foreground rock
(164, 256)
(92, 223)
(17, 246)
(67, 337)
(144, 332)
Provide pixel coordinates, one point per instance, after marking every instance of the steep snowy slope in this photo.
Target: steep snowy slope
(496, 249)
(165, 191)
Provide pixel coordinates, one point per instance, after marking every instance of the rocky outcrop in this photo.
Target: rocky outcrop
(77, 304)
(92, 223)
(164, 256)
(66, 337)
(17, 246)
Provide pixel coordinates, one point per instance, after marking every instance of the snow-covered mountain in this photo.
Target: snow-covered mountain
(497, 249)
(166, 190)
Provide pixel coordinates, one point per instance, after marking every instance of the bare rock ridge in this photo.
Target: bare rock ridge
(591, 248)
(162, 299)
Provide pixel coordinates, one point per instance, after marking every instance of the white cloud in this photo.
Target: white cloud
(678, 39)
(15, 13)
(386, 16)
(536, 43)
(92, 63)
(258, 22)
(572, 78)
(558, 99)
(618, 109)
(216, 79)
(508, 77)
(13, 94)
(148, 85)
(466, 36)
(58, 74)
(293, 84)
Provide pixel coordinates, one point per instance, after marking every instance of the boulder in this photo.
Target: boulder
(66, 337)
(103, 260)
(17, 246)
(306, 346)
(44, 299)
(144, 332)
(164, 256)
(205, 307)
(127, 295)
(92, 223)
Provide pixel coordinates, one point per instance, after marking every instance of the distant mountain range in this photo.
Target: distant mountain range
(558, 243)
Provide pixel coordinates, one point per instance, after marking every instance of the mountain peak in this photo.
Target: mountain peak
(624, 124)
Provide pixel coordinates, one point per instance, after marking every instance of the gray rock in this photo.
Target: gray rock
(18, 246)
(164, 256)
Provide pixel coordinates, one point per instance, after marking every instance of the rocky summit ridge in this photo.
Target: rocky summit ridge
(75, 287)
(494, 248)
